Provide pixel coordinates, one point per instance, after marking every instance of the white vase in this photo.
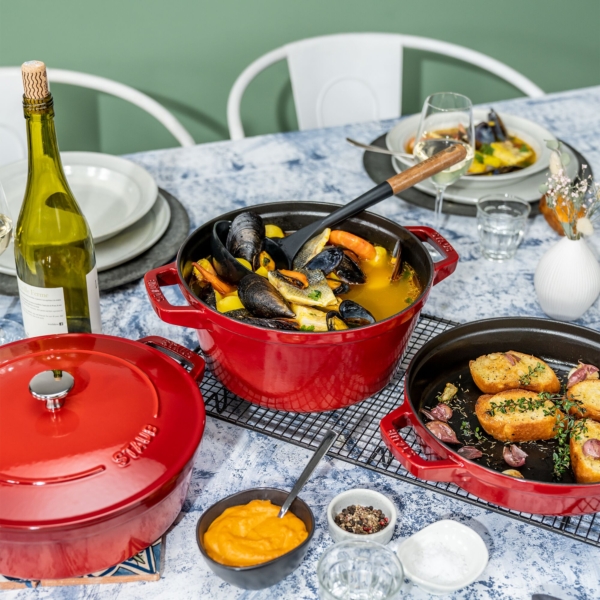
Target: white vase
(567, 279)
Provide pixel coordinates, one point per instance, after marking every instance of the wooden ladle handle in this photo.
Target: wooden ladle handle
(438, 162)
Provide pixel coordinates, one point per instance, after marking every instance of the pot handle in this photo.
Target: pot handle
(185, 316)
(447, 265)
(193, 361)
(431, 470)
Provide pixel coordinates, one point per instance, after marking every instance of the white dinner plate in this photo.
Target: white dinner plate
(120, 248)
(113, 193)
(528, 189)
(533, 134)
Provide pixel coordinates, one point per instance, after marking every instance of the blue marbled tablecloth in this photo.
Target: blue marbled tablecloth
(319, 165)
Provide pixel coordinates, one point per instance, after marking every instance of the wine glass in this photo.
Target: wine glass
(446, 120)
(10, 331)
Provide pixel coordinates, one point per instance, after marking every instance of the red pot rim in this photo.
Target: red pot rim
(321, 337)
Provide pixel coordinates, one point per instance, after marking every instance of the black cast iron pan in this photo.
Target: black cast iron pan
(445, 359)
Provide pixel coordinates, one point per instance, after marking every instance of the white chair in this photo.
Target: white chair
(354, 77)
(13, 138)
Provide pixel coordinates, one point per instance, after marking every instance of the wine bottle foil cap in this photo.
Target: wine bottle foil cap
(35, 80)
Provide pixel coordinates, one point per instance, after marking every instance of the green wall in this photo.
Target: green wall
(187, 54)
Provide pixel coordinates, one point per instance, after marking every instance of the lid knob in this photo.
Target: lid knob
(51, 387)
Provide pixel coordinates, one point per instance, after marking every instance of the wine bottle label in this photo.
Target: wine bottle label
(43, 309)
(93, 292)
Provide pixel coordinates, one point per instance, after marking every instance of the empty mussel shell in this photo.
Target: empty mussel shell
(225, 264)
(354, 315)
(497, 125)
(398, 266)
(245, 237)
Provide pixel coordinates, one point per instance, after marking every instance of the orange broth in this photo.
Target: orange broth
(381, 297)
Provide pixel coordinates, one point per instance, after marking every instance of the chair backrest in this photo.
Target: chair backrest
(13, 140)
(354, 77)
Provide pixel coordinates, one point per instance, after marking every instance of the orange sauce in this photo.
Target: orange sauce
(381, 297)
(251, 534)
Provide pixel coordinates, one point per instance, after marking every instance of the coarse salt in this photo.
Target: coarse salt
(439, 563)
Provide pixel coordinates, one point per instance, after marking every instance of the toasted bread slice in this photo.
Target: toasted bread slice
(588, 393)
(517, 416)
(586, 468)
(496, 372)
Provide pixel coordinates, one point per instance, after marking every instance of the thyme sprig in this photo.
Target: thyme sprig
(567, 425)
(521, 405)
(531, 372)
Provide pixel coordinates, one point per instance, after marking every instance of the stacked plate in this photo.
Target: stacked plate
(524, 183)
(126, 212)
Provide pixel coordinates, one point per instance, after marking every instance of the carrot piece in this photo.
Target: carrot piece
(360, 247)
(301, 277)
(218, 284)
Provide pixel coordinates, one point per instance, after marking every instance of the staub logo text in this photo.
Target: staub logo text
(136, 446)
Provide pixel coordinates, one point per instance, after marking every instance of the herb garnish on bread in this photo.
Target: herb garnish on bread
(500, 371)
(518, 416)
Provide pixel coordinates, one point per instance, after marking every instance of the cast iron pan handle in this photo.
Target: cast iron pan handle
(193, 361)
(185, 316)
(430, 470)
(447, 265)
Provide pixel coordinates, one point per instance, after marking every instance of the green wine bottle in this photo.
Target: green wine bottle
(54, 251)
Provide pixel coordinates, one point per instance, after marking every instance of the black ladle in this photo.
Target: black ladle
(283, 250)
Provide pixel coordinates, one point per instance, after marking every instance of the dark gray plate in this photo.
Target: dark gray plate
(379, 168)
(161, 253)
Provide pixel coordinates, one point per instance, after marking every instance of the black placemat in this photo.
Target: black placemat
(161, 253)
(379, 168)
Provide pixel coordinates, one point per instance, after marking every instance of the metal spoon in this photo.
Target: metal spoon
(378, 149)
(283, 250)
(326, 443)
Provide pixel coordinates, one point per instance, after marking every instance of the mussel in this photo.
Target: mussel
(349, 271)
(207, 295)
(497, 125)
(241, 314)
(245, 237)
(484, 134)
(262, 299)
(398, 265)
(354, 315)
(281, 324)
(338, 287)
(335, 321)
(327, 260)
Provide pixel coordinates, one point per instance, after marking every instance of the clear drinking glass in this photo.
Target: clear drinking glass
(10, 331)
(501, 223)
(446, 120)
(359, 571)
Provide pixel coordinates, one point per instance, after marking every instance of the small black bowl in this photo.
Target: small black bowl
(265, 574)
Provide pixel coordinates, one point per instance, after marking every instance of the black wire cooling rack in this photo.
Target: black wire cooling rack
(359, 441)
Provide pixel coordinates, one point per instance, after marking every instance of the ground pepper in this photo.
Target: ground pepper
(361, 519)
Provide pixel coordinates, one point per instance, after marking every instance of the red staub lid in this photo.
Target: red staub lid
(90, 424)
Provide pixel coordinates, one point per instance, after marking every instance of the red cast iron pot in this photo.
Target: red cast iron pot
(89, 484)
(446, 357)
(296, 371)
